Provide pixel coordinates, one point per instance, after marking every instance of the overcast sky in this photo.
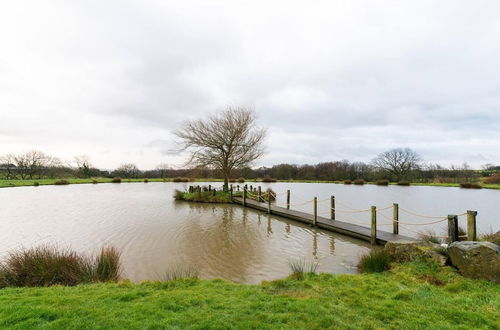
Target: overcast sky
(330, 80)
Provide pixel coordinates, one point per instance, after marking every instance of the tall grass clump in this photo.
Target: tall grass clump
(116, 179)
(178, 194)
(241, 180)
(430, 236)
(48, 265)
(359, 181)
(179, 272)
(36, 183)
(95, 181)
(404, 183)
(469, 185)
(301, 267)
(180, 179)
(494, 179)
(146, 180)
(490, 236)
(61, 182)
(267, 178)
(376, 261)
(347, 182)
(382, 182)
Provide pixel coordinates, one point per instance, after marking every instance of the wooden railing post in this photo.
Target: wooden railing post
(244, 196)
(373, 239)
(259, 194)
(395, 217)
(231, 193)
(471, 226)
(452, 228)
(209, 187)
(332, 207)
(268, 203)
(214, 191)
(288, 199)
(315, 218)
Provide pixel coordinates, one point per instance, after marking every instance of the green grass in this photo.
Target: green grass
(203, 196)
(411, 296)
(19, 183)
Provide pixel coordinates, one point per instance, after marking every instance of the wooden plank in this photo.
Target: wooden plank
(341, 227)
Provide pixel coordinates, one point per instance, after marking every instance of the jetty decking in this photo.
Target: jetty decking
(337, 226)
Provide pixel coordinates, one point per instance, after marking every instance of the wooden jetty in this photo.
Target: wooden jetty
(337, 226)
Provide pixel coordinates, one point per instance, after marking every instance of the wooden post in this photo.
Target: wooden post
(259, 194)
(332, 207)
(268, 204)
(373, 239)
(214, 190)
(452, 228)
(209, 187)
(251, 188)
(395, 217)
(231, 194)
(288, 199)
(231, 187)
(244, 196)
(471, 226)
(315, 219)
(238, 187)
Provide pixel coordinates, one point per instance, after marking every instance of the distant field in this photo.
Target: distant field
(19, 183)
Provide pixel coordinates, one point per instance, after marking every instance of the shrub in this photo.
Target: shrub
(61, 182)
(95, 181)
(36, 183)
(374, 262)
(469, 185)
(300, 267)
(178, 195)
(179, 179)
(116, 179)
(241, 180)
(347, 182)
(47, 265)
(382, 182)
(268, 179)
(494, 179)
(146, 180)
(404, 183)
(359, 182)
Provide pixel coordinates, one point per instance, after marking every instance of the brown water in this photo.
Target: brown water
(157, 234)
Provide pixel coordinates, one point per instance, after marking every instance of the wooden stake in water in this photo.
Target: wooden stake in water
(395, 217)
(373, 239)
(268, 204)
(259, 194)
(244, 196)
(471, 226)
(231, 194)
(315, 218)
(332, 207)
(288, 199)
(209, 187)
(452, 228)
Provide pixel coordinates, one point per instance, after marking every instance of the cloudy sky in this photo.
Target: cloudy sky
(330, 79)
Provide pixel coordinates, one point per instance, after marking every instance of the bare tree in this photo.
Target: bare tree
(84, 165)
(399, 162)
(127, 171)
(224, 141)
(8, 166)
(162, 170)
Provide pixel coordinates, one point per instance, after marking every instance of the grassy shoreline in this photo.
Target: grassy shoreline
(411, 296)
(23, 183)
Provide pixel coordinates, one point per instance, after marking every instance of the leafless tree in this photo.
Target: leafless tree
(127, 171)
(224, 141)
(8, 166)
(84, 165)
(162, 170)
(399, 162)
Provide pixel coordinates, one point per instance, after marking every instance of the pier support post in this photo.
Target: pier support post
(332, 207)
(259, 194)
(395, 217)
(244, 196)
(452, 228)
(373, 239)
(315, 218)
(231, 194)
(471, 226)
(288, 199)
(268, 204)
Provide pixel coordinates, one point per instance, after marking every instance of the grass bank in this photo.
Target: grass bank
(20, 183)
(413, 295)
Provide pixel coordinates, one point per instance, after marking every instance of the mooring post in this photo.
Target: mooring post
(246, 187)
(231, 187)
(209, 187)
(315, 218)
(231, 194)
(332, 207)
(452, 228)
(259, 194)
(214, 191)
(238, 187)
(471, 226)
(251, 188)
(244, 196)
(395, 217)
(288, 199)
(268, 204)
(373, 239)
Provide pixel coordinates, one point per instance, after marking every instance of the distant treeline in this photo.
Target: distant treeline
(36, 165)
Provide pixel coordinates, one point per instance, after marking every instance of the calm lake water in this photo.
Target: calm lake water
(157, 234)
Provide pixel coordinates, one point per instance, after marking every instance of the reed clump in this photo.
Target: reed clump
(179, 272)
(301, 267)
(241, 180)
(61, 182)
(146, 180)
(494, 179)
(48, 265)
(382, 182)
(470, 185)
(116, 179)
(377, 261)
(347, 182)
(404, 183)
(268, 179)
(359, 182)
(180, 179)
(36, 183)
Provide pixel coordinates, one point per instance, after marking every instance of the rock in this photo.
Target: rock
(476, 259)
(402, 251)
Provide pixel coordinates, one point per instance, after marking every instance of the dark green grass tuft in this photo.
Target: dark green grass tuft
(116, 179)
(61, 182)
(382, 182)
(374, 262)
